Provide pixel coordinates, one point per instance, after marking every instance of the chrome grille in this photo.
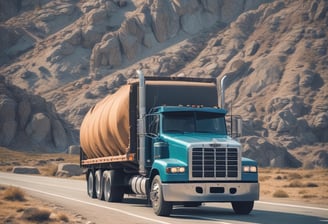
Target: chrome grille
(210, 163)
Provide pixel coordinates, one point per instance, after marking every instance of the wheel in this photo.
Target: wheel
(160, 207)
(99, 187)
(192, 204)
(112, 191)
(91, 185)
(242, 207)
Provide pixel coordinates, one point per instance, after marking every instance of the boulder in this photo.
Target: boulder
(74, 150)
(25, 170)
(69, 169)
(230, 10)
(267, 154)
(131, 35)
(107, 52)
(59, 134)
(39, 127)
(182, 7)
(165, 21)
(90, 36)
(8, 124)
(24, 112)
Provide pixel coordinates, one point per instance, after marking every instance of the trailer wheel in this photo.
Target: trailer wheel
(91, 185)
(99, 187)
(242, 207)
(160, 207)
(112, 192)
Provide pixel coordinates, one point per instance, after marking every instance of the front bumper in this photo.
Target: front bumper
(210, 192)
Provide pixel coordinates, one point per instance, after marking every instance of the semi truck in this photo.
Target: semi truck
(166, 139)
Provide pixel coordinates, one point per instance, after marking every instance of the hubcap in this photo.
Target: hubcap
(154, 194)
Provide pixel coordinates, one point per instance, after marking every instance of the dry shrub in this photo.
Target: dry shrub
(280, 177)
(36, 214)
(310, 184)
(265, 170)
(50, 170)
(294, 176)
(63, 217)
(280, 194)
(264, 178)
(14, 194)
(295, 183)
(308, 175)
(302, 191)
(279, 171)
(309, 196)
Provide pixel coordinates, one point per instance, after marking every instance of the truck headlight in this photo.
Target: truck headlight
(249, 169)
(178, 169)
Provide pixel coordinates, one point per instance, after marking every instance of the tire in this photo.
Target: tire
(160, 207)
(111, 191)
(91, 185)
(99, 186)
(242, 207)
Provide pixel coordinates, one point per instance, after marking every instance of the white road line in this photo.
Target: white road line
(293, 206)
(100, 206)
(202, 218)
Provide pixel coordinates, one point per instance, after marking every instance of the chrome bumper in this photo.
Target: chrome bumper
(210, 192)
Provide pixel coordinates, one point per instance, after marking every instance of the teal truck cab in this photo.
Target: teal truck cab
(178, 153)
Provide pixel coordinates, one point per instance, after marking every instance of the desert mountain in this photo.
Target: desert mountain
(73, 53)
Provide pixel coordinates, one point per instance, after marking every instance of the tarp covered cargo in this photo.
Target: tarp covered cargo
(110, 127)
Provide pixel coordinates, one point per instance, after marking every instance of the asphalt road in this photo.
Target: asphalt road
(71, 194)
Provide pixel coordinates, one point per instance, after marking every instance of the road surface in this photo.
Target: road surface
(71, 194)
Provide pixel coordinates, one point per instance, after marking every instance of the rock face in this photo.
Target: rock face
(73, 53)
(29, 122)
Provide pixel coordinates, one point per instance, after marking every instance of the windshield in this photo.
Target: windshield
(203, 122)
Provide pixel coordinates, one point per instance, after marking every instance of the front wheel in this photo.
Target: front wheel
(160, 207)
(242, 207)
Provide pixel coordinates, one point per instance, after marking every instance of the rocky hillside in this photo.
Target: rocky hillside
(73, 53)
(29, 122)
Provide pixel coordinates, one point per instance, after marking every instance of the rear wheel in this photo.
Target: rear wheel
(242, 207)
(99, 187)
(91, 185)
(112, 191)
(160, 207)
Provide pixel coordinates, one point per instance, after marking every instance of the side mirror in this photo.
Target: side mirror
(235, 126)
(152, 125)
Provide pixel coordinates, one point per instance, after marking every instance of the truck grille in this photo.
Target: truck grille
(212, 163)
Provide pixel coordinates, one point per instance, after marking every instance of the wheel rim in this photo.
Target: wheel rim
(155, 194)
(90, 184)
(107, 188)
(98, 186)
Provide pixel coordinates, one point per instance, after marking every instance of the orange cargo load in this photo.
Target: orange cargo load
(105, 128)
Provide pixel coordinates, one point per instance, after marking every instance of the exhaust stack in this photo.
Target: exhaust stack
(141, 122)
(222, 90)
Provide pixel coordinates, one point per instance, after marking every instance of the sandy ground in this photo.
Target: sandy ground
(299, 186)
